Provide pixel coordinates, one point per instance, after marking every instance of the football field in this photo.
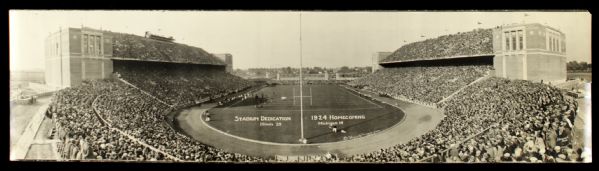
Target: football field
(277, 119)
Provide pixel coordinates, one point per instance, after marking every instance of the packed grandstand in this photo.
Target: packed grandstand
(130, 46)
(489, 119)
(472, 43)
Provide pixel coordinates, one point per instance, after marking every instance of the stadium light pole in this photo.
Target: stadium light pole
(302, 139)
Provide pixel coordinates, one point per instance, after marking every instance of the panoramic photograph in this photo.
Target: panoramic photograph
(167, 86)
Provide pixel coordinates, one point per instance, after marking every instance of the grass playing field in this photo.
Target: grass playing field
(278, 120)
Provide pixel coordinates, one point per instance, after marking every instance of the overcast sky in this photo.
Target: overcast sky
(272, 39)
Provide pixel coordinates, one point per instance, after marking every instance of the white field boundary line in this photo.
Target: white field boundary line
(279, 102)
(404, 99)
(255, 90)
(396, 105)
(348, 140)
(238, 109)
(289, 144)
(405, 116)
(337, 105)
(291, 104)
(312, 144)
(344, 88)
(229, 107)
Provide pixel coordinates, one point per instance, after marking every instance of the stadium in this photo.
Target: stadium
(477, 96)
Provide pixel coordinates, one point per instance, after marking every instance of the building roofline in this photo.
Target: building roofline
(536, 24)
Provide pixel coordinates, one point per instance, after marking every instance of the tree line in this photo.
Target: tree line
(578, 66)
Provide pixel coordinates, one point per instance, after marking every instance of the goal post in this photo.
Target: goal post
(308, 96)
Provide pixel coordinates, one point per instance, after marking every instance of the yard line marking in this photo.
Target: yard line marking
(353, 140)
(278, 103)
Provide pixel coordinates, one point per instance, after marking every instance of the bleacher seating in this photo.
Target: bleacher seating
(423, 84)
(472, 43)
(494, 120)
(145, 49)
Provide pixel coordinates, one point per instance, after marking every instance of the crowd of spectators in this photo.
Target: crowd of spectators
(88, 118)
(82, 134)
(476, 42)
(180, 84)
(422, 84)
(495, 120)
(138, 47)
(127, 109)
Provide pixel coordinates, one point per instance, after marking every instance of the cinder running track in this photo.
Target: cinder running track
(417, 121)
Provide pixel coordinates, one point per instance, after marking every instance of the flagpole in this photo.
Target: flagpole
(302, 139)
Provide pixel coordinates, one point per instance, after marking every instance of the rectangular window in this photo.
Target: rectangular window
(91, 45)
(521, 39)
(556, 45)
(550, 44)
(513, 40)
(96, 45)
(507, 41)
(553, 44)
(92, 42)
(559, 45)
(84, 49)
(99, 45)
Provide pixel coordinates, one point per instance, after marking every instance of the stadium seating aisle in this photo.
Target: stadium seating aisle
(82, 135)
(125, 108)
(494, 120)
(426, 85)
(523, 122)
(130, 110)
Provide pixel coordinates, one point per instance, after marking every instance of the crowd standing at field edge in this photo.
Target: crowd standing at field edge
(495, 120)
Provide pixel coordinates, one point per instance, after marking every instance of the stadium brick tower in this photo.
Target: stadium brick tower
(228, 58)
(532, 52)
(77, 54)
